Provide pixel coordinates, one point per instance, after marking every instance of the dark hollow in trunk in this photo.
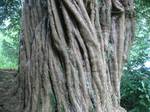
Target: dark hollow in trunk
(72, 53)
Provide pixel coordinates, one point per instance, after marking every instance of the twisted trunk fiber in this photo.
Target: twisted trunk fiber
(72, 53)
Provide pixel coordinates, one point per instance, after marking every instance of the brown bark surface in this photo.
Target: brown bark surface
(72, 53)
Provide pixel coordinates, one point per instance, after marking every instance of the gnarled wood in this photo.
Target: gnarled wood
(72, 53)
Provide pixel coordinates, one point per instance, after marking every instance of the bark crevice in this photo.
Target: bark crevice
(72, 53)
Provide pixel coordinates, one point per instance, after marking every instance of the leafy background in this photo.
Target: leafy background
(10, 13)
(135, 84)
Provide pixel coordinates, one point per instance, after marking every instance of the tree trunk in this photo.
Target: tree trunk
(72, 53)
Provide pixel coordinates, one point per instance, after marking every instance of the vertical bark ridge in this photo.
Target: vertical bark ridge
(72, 54)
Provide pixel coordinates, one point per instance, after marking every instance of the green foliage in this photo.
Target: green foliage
(135, 90)
(135, 85)
(9, 32)
(8, 53)
(10, 9)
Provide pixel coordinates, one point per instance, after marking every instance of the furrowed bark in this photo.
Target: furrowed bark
(72, 53)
